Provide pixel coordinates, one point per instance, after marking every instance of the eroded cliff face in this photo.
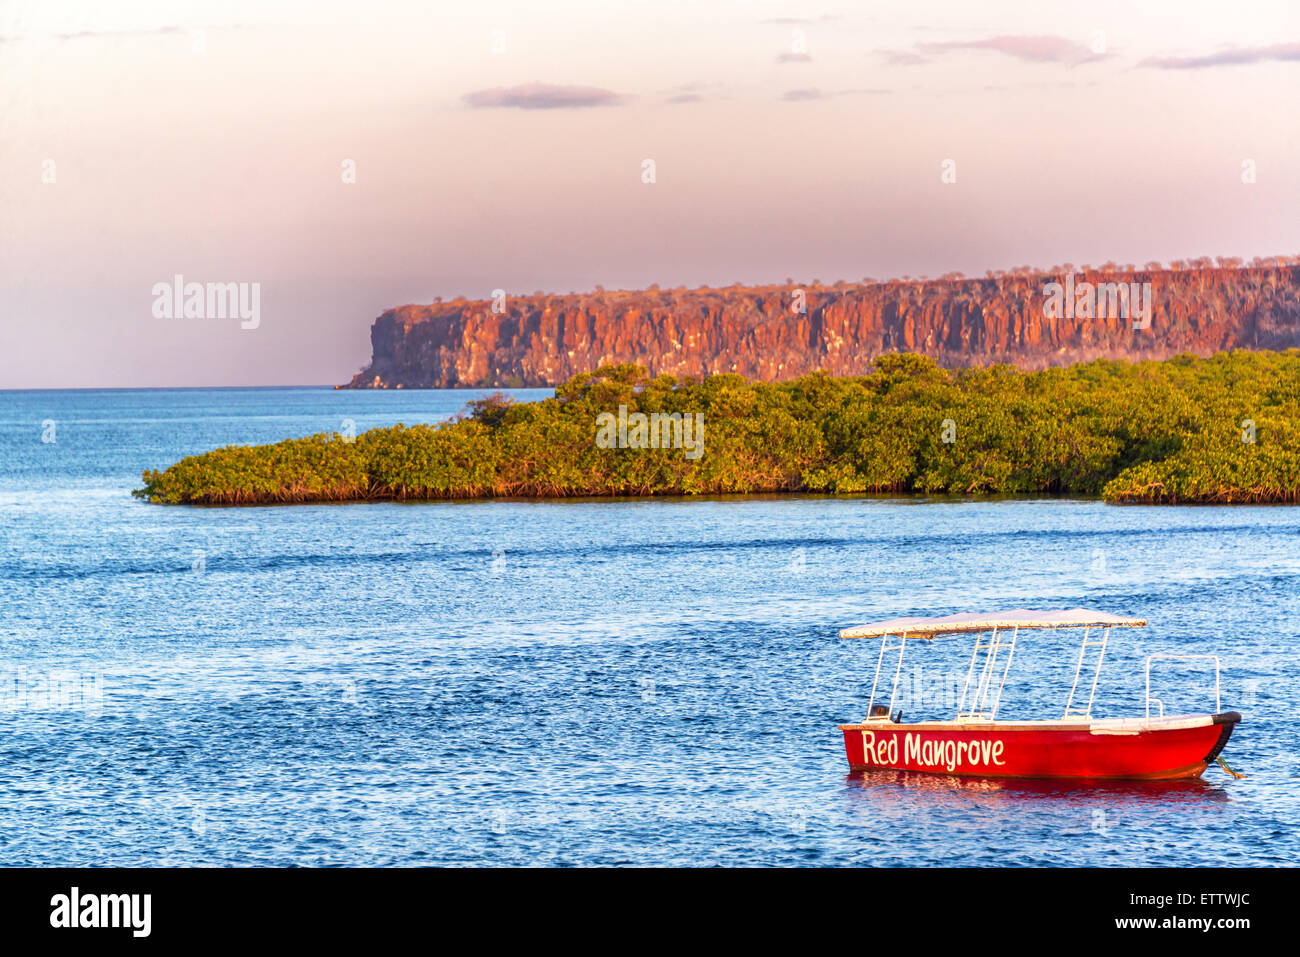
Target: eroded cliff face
(781, 332)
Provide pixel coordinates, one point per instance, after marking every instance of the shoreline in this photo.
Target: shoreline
(896, 498)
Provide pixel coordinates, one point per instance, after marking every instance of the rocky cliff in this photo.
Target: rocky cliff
(780, 332)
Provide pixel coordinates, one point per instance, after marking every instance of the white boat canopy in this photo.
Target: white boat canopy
(969, 622)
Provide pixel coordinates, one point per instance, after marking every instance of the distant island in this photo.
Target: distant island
(1187, 429)
(780, 332)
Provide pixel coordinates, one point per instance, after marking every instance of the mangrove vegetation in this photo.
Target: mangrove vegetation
(1222, 429)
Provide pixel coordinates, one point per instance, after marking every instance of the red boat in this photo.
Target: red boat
(1075, 745)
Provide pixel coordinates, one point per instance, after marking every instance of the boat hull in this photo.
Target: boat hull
(1135, 749)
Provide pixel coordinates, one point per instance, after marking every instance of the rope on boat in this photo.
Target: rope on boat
(1227, 770)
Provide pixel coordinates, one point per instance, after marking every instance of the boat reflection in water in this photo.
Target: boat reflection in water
(908, 818)
(1111, 792)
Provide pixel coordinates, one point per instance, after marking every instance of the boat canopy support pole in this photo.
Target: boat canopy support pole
(961, 704)
(898, 669)
(1011, 653)
(1096, 675)
(1077, 669)
(986, 675)
(871, 705)
(1100, 645)
(979, 700)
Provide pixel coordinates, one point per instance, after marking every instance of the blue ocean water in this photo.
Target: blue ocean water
(581, 682)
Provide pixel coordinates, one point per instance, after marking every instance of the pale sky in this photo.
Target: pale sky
(500, 145)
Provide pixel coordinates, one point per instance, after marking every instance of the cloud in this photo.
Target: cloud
(543, 96)
(84, 34)
(825, 17)
(694, 92)
(1231, 56)
(794, 58)
(169, 30)
(903, 58)
(814, 93)
(1040, 49)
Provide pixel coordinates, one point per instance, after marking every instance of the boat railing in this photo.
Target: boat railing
(1218, 703)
